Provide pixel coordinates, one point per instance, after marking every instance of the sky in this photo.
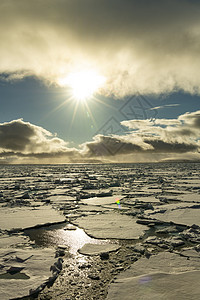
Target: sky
(99, 81)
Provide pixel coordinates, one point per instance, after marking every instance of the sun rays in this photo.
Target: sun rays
(83, 84)
(83, 89)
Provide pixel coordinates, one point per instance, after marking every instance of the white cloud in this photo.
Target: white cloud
(146, 140)
(19, 139)
(151, 139)
(163, 106)
(191, 119)
(139, 46)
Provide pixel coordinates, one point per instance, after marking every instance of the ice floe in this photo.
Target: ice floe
(111, 225)
(95, 249)
(159, 205)
(185, 215)
(102, 200)
(23, 272)
(26, 217)
(163, 276)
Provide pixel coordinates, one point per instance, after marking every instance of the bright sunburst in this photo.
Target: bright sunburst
(83, 83)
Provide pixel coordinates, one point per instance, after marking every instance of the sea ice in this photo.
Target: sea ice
(101, 200)
(111, 225)
(184, 216)
(7, 241)
(24, 189)
(91, 208)
(149, 199)
(59, 191)
(189, 197)
(157, 286)
(152, 190)
(27, 217)
(35, 270)
(163, 276)
(95, 249)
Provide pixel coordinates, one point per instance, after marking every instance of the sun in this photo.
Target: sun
(83, 84)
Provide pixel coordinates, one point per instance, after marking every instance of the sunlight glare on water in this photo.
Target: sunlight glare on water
(74, 239)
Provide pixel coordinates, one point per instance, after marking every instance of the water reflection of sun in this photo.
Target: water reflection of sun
(72, 239)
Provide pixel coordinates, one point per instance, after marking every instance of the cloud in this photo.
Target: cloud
(163, 106)
(109, 146)
(19, 139)
(161, 137)
(145, 140)
(121, 145)
(184, 129)
(139, 46)
(191, 119)
(171, 147)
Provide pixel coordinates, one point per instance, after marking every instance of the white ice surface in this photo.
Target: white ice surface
(95, 249)
(37, 267)
(154, 190)
(26, 217)
(7, 241)
(189, 197)
(171, 206)
(186, 216)
(61, 198)
(189, 183)
(164, 276)
(92, 208)
(101, 200)
(157, 286)
(59, 191)
(149, 199)
(111, 225)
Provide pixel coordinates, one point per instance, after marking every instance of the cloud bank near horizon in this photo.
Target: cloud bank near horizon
(26, 142)
(145, 140)
(140, 46)
(152, 139)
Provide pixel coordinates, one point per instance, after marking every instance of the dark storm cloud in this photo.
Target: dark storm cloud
(140, 46)
(25, 140)
(112, 146)
(146, 140)
(162, 136)
(109, 146)
(15, 135)
(175, 147)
